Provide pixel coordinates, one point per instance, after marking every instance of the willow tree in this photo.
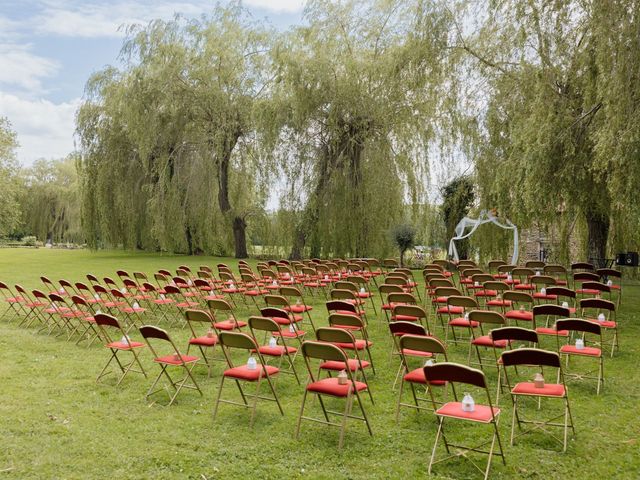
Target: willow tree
(177, 122)
(358, 92)
(9, 207)
(49, 201)
(558, 137)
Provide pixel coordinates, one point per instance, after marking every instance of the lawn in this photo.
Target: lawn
(56, 422)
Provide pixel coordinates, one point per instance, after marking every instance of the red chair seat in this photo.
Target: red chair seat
(347, 312)
(588, 291)
(123, 346)
(277, 351)
(363, 294)
(186, 304)
(173, 360)
(330, 386)
(205, 341)
(482, 413)
(552, 331)
(359, 345)
(243, 373)
(288, 334)
(615, 287)
(499, 303)
(232, 290)
(605, 324)
(519, 315)
(229, 324)
(417, 376)
(486, 341)
(255, 293)
(545, 296)
(295, 308)
(461, 322)
(16, 299)
(133, 310)
(586, 351)
(486, 293)
(416, 353)
(285, 321)
(440, 300)
(405, 318)
(352, 363)
(451, 309)
(529, 388)
(348, 327)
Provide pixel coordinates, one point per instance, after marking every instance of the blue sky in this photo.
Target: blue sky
(49, 48)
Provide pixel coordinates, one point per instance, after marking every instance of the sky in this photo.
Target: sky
(49, 49)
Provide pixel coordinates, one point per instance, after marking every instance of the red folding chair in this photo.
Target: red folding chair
(331, 387)
(106, 323)
(585, 331)
(417, 347)
(482, 414)
(202, 340)
(255, 373)
(510, 335)
(13, 301)
(529, 357)
(276, 348)
(173, 358)
(604, 313)
(222, 306)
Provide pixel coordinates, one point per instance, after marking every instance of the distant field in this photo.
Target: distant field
(56, 422)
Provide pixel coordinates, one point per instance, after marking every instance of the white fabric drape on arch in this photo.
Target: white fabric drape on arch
(474, 223)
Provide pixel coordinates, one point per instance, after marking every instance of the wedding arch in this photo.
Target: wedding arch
(473, 224)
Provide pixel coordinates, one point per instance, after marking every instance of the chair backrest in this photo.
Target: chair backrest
(530, 357)
(387, 288)
(402, 298)
(335, 305)
(586, 277)
(339, 294)
(334, 335)
(609, 272)
(494, 264)
(272, 312)
(481, 278)
(514, 333)
(505, 269)
(237, 340)
(582, 266)
(535, 264)
(495, 285)
(322, 351)
(461, 301)
(172, 290)
(447, 292)
(345, 285)
(276, 301)
(406, 328)
(518, 297)
(597, 303)
(104, 319)
(543, 280)
(219, 304)
(198, 316)
(290, 291)
(522, 272)
(345, 320)
(486, 316)
(561, 292)
(578, 325)
(422, 344)
(263, 324)
(149, 331)
(454, 372)
(600, 287)
(550, 310)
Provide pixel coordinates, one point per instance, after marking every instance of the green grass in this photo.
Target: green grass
(56, 422)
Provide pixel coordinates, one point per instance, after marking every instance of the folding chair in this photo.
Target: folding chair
(417, 347)
(511, 335)
(13, 300)
(173, 359)
(246, 373)
(520, 308)
(385, 290)
(105, 323)
(559, 273)
(564, 297)
(582, 327)
(207, 340)
(281, 302)
(30, 305)
(550, 312)
(274, 350)
(353, 324)
(482, 318)
(613, 279)
(83, 312)
(530, 357)
(231, 323)
(347, 342)
(497, 301)
(364, 292)
(284, 319)
(483, 414)
(460, 320)
(604, 313)
(331, 387)
(410, 313)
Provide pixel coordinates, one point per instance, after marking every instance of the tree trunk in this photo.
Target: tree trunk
(299, 242)
(240, 237)
(598, 234)
(402, 258)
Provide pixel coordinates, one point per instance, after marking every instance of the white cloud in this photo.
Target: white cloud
(45, 129)
(102, 19)
(21, 68)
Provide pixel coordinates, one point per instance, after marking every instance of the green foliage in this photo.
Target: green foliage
(556, 137)
(49, 201)
(458, 197)
(403, 237)
(9, 207)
